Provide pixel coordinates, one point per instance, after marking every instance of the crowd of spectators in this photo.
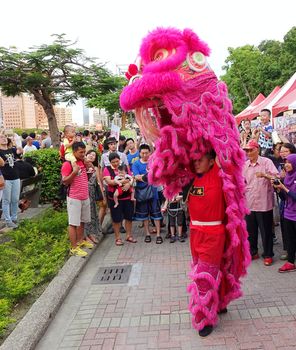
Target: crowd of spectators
(270, 177)
(102, 174)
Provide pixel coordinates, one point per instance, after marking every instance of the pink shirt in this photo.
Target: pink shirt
(259, 191)
(79, 186)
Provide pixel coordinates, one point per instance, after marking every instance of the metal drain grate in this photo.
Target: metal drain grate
(113, 275)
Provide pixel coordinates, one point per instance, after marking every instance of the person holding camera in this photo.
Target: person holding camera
(260, 200)
(288, 191)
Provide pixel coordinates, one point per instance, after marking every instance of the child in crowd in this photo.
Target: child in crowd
(69, 139)
(175, 215)
(120, 179)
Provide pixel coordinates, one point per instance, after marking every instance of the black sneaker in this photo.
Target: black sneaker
(173, 239)
(206, 331)
(223, 311)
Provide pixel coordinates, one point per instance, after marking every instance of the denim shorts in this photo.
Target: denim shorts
(146, 210)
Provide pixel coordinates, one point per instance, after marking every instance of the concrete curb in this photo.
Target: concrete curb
(30, 329)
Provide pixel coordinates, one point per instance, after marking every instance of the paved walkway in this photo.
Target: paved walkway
(150, 312)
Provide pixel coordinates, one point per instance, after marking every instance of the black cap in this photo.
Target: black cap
(111, 140)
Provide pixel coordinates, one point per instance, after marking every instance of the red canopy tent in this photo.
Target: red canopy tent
(246, 112)
(286, 102)
(265, 103)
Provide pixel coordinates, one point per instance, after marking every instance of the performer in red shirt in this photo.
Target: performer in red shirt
(207, 207)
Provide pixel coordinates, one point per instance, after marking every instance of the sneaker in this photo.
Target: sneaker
(11, 225)
(287, 267)
(205, 331)
(268, 261)
(86, 244)
(181, 239)
(173, 239)
(78, 252)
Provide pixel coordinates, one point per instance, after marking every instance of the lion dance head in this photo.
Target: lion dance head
(182, 108)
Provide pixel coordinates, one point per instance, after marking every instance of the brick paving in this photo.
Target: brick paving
(150, 312)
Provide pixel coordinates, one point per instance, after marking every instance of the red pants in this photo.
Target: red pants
(207, 246)
(207, 243)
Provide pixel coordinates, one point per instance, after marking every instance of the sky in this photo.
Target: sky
(112, 30)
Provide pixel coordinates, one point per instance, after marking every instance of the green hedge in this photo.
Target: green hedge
(48, 161)
(34, 255)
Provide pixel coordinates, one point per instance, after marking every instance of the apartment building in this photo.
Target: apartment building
(23, 112)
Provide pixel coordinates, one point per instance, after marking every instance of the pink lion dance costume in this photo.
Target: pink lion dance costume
(181, 106)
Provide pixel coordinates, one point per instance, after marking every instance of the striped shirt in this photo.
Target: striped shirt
(265, 141)
(79, 186)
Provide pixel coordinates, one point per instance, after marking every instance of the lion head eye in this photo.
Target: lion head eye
(196, 61)
(162, 54)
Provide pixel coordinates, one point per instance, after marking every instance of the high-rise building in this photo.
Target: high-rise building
(41, 118)
(29, 117)
(63, 116)
(25, 113)
(1, 112)
(12, 112)
(100, 117)
(85, 112)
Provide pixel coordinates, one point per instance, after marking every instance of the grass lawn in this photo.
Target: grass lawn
(29, 258)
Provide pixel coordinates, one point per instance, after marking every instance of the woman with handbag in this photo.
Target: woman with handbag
(95, 188)
(147, 204)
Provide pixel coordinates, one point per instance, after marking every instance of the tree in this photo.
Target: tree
(287, 58)
(242, 75)
(251, 70)
(51, 73)
(107, 96)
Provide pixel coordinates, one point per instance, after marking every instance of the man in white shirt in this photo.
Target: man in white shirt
(29, 146)
(112, 145)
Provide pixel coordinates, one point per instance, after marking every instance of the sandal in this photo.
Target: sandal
(159, 240)
(131, 239)
(147, 239)
(118, 242)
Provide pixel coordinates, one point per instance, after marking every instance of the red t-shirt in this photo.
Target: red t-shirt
(111, 189)
(79, 186)
(206, 199)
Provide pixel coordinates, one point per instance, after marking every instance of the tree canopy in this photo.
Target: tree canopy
(250, 70)
(107, 96)
(51, 73)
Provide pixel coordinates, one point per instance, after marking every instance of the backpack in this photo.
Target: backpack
(64, 189)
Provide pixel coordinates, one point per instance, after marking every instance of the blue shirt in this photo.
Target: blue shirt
(139, 168)
(132, 158)
(36, 144)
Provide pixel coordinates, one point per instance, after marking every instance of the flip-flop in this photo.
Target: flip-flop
(159, 240)
(131, 239)
(119, 242)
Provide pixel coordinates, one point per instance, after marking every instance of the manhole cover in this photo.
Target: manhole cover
(112, 275)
